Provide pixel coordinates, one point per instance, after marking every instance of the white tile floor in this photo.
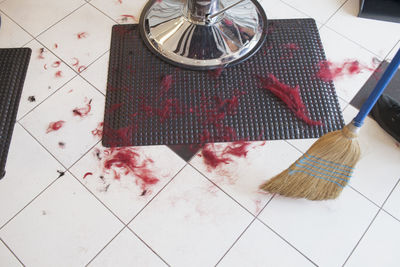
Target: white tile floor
(193, 216)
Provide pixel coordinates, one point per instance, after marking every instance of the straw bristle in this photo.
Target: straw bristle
(323, 171)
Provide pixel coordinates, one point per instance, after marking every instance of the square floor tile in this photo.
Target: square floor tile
(127, 250)
(380, 245)
(392, 205)
(12, 35)
(75, 133)
(29, 170)
(377, 36)
(259, 246)
(36, 16)
(191, 222)
(378, 170)
(117, 8)
(325, 231)
(82, 37)
(97, 73)
(67, 227)
(340, 50)
(125, 196)
(7, 258)
(242, 176)
(41, 78)
(319, 10)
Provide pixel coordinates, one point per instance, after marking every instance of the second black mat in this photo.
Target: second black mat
(13, 66)
(150, 102)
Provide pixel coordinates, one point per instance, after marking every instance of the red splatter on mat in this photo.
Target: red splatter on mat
(329, 71)
(84, 111)
(114, 107)
(56, 64)
(41, 53)
(215, 74)
(55, 126)
(99, 130)
(58, 74)
(290, 47)
(128, 161)
(290, 96)
(87, 174)
(82, 35)
(166, 84)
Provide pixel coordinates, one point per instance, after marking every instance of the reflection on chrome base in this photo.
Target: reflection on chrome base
(180, 31)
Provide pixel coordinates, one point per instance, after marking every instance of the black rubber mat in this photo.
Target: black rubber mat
(135, 98)
(13, 66)
(393, 88)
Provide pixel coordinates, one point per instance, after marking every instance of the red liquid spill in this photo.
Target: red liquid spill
(99, 130)
(87, 174)
(166, 83)
(82, 35)
(125, 161)
(290, 96)
(56, 64)
(58, 74)
(55, 126)
(83, 112)
(328, 71)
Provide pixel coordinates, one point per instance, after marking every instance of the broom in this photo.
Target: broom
(323, 171)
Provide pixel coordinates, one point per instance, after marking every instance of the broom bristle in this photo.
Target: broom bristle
(323, 171)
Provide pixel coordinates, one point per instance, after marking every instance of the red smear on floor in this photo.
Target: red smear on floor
(216, 73)
(55, 126)
(81, 35)
(55, 46)
(45, 66)
(99, 130)
(61, 145)
(81, 68)
(290, 96)
(211, 158)
(56, 64)
(238, 149)
(127, 161)
(119, 1)
(41, 52)
(76, 63)
(329, 71)
(87, 174)
(58, 74)
(84, 111)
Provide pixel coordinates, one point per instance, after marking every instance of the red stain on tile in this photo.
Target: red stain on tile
(82, 35)
(56, 64)
(41, 53)
(76, 63)
(99, 130)
(126, 17)
(61, 145)
(87, 174)
(55, 126)
(329, 71)
(81, 68)
(290, 96)
(45, 66)
(58, 74)
(55, 46)
(84, 111)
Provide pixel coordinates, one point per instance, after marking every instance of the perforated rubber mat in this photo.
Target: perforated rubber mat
(13, 66)
(141, 109)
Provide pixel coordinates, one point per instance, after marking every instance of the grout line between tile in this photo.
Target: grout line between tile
(12, 252)
(148, 246)
(337, 10)
(157, 194)
(39, 194)
(216, 185)
(369, 226)
(237, 239)
(281, 237)
(101, 250)
(105, 14)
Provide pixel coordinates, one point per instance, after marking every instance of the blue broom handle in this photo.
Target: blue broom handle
(378, 90)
